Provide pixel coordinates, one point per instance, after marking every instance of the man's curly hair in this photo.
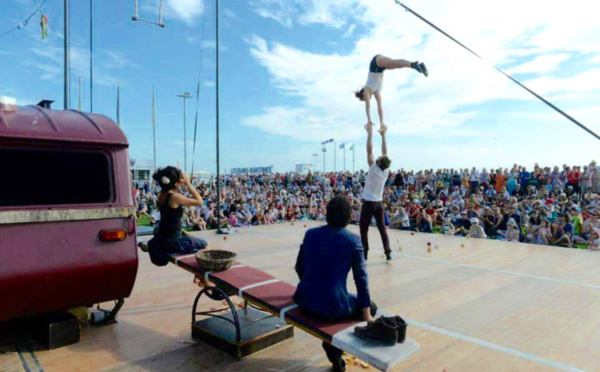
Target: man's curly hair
(339, 212)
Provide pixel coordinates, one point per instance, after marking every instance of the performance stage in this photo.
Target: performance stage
(484, 306)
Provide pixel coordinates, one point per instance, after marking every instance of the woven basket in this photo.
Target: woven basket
(214, 260)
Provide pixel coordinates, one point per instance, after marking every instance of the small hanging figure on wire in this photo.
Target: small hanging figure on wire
(379, 64)
(44, 26)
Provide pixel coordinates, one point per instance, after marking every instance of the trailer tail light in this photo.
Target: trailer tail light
(113, 235)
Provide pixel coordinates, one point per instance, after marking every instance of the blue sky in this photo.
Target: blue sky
(288, 68)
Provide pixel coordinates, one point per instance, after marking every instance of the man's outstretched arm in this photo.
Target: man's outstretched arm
(383, 142)
(369, 128)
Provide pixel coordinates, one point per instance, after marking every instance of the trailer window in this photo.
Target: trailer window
(51, 177)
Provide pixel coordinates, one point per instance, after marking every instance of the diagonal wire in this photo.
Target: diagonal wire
(198, 88)
(569, 117)
(23, 22)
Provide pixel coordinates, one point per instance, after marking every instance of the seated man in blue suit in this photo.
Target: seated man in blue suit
(326, 256)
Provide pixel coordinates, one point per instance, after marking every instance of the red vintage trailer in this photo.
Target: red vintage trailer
(67, 216)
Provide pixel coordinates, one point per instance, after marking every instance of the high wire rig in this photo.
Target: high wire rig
(136, 17)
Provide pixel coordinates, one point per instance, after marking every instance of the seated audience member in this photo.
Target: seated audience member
(462, 224)
(512, 231)
(289, 215)
(401, 221)
(326, 256)
(588, 226)
(476, 230)
(544, 233)
(233, 221)
(355, 217)
(560, 237)
(594, 242)
(259, 218)
(424, 222)
(448, 227)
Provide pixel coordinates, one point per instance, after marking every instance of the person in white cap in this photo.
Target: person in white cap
(476, 230)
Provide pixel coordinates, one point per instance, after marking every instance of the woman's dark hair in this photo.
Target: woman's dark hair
(167, 177)
(339, 212)
(360, 94)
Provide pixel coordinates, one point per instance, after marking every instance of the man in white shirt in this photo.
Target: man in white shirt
(372, 195)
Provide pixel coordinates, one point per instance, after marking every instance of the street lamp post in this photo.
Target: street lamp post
(185, 96)
(352, 148)
(153, 132)
(324, 150)
(343, 146)
(334, 157)
(315, 156)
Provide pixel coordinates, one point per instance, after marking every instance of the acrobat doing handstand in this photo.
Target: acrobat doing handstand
(379, 64)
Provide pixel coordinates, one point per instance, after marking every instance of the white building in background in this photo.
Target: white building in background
(303, 168)
(141, 169)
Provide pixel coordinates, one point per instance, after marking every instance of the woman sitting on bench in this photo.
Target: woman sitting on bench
(168, 238)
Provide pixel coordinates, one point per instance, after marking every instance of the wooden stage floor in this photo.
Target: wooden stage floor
(484, 306)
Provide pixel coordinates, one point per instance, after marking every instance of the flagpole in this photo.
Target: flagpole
(353, 159)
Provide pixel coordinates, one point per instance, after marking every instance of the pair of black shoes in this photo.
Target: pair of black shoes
(388, 256)
(386, 330)
(420, 67)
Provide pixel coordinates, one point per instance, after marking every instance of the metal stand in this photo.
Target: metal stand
(261, 329)
(101, 317)
(217, 294)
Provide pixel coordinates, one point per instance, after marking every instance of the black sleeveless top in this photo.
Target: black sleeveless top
(170, 224)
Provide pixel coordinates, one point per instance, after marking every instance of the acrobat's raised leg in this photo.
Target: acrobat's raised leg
(390, 64)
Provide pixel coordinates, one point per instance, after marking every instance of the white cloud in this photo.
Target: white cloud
(542, 39)
(230, 13)
(541, 64)
(185, 10)
(49, 60)
(586, 81)
(278, 10)
(349, 31)
(332, 13)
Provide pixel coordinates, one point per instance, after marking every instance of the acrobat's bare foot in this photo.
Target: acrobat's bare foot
(383, 129)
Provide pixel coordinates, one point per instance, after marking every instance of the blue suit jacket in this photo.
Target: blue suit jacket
(324, 261)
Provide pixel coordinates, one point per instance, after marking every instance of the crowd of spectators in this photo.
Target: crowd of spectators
(549, 206)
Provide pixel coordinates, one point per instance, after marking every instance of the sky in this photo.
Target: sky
(288, 69)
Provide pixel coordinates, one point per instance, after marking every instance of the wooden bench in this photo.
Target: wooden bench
(276, 297)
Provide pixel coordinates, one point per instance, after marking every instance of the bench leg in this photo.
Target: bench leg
(217, 294)
(102, 317)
